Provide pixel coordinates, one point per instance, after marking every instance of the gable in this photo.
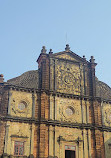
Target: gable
(69, 56)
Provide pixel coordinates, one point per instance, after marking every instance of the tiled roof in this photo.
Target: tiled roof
(103, 90)
(29, 79)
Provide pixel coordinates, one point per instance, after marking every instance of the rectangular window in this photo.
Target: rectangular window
(19, 148)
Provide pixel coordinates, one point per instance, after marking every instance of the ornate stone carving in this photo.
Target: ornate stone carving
(74, 115)
(68, 77)
(15, 106)
(70, 135)
(108, 116)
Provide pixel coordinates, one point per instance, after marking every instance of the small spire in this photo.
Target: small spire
(67, 47)
(92, 60)
(50, 52)
(43, 50)
(1, 78)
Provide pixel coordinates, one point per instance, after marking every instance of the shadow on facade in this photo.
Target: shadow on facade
(99, 153)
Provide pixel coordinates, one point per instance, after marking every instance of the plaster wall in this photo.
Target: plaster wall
(15, 99)
(106, 111)
(107, 141)
(59, 106)
(22, 132)
(59, 137)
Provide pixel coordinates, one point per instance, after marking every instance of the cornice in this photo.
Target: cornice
(67, 60)
(55, 123)
(18, 88)
(55, 93)
(70, 53)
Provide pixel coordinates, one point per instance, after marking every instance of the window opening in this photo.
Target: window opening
(19, 148)
(69, 154)
(70, 151)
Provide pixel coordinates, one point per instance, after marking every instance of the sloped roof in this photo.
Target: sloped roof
(28, 79)
(103, 90)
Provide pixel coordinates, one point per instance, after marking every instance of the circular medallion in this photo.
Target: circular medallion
(68, 78)
(69, 111)
(22, 106)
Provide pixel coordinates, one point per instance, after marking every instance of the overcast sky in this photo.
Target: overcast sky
(27, 25)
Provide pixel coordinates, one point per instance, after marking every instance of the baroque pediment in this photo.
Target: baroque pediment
(69, 55)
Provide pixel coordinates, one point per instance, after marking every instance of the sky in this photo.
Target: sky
(27, 25)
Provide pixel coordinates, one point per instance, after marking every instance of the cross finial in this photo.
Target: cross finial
(67, 47)
(43, 50)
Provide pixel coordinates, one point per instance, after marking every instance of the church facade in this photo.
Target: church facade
(60, 110)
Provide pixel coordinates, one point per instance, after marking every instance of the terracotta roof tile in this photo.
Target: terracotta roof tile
(103, 90)
(28, 79)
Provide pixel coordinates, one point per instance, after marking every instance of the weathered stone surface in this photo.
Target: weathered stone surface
(60, 106)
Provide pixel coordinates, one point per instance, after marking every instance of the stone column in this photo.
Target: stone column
(9, 100)
(33, 104)
(6, 138)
